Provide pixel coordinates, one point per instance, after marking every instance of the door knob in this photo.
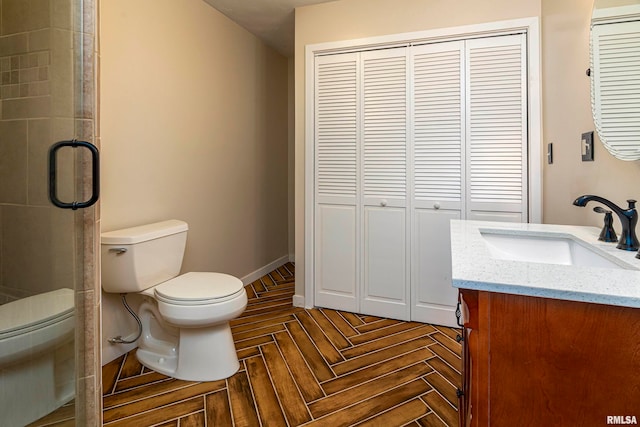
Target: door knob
(383, 202)
(436, 205)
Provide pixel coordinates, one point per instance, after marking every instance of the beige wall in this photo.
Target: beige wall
(193, 127)
(194, 113)
(565, 103)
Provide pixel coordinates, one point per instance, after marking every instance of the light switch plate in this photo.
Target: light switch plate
(586, 146)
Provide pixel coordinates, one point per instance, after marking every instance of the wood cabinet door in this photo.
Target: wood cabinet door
(469, 313)
(537, 361)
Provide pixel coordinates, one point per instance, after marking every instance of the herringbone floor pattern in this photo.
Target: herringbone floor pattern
(315, 367)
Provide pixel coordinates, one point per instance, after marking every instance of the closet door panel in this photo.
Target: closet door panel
(434, 298)
(438, 118)
(336, 257)
(384, 260)
(385, 278)
(384, 129)
(496, 103)
(337, 182)
(438, 125)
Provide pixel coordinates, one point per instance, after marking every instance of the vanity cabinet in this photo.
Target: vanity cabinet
(531, 361)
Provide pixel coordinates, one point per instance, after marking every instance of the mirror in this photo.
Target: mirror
(615, 75)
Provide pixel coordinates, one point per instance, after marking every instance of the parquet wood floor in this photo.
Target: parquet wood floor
(301, 367)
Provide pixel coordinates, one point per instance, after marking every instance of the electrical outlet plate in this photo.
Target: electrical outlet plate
(586, 146)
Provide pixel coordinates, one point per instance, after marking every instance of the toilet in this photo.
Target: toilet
(36, 356)
(185, 318)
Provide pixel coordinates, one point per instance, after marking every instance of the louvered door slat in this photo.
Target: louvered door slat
(336, 126)
(496, 124)
(384, 133)
(437, 124)
(616, 63)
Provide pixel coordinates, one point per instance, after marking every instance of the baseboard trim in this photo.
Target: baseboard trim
(262, 271)
(298, 301)
(111, 352)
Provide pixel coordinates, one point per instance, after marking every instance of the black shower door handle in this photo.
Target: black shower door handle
(95, 184)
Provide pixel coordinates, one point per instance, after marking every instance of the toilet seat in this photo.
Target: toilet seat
(35, 325)
(199, 288)
(35, 312)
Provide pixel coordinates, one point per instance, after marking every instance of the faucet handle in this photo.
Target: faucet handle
(608, 234)
(632, 203)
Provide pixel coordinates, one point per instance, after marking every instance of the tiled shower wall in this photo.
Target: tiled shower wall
(36, 60)
(48, 94)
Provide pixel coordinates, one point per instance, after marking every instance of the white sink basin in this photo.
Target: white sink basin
(547, 248)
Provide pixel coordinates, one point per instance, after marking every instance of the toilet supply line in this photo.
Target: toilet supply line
(119, 339)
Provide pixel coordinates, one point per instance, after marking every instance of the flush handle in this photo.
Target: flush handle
(118, 251)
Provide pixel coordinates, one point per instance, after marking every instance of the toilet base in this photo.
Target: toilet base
(35, 387)
(202, 354)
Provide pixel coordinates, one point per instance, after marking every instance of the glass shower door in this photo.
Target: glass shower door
(47, 274)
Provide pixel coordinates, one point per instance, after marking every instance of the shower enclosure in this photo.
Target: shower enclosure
(48, 273)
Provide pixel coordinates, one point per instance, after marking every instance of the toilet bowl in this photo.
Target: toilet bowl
(185, 318)
(199, 305)
(36, 356)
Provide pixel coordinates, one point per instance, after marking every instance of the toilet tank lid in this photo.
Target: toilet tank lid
(142, 233)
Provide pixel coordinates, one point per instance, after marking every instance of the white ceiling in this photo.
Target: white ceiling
(271, 20)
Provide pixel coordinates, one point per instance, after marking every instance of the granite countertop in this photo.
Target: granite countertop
(473, 266)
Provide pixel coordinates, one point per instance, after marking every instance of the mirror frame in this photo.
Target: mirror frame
(618, 125)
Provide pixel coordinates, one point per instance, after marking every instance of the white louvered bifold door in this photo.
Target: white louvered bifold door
(496, 104)
(616, 91)
(406, 139)
(438, 176)
(336, 181)
(385, 266)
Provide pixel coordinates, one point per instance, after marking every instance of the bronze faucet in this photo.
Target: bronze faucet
(628, 218)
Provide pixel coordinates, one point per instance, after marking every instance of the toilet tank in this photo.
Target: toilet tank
(137, 258)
